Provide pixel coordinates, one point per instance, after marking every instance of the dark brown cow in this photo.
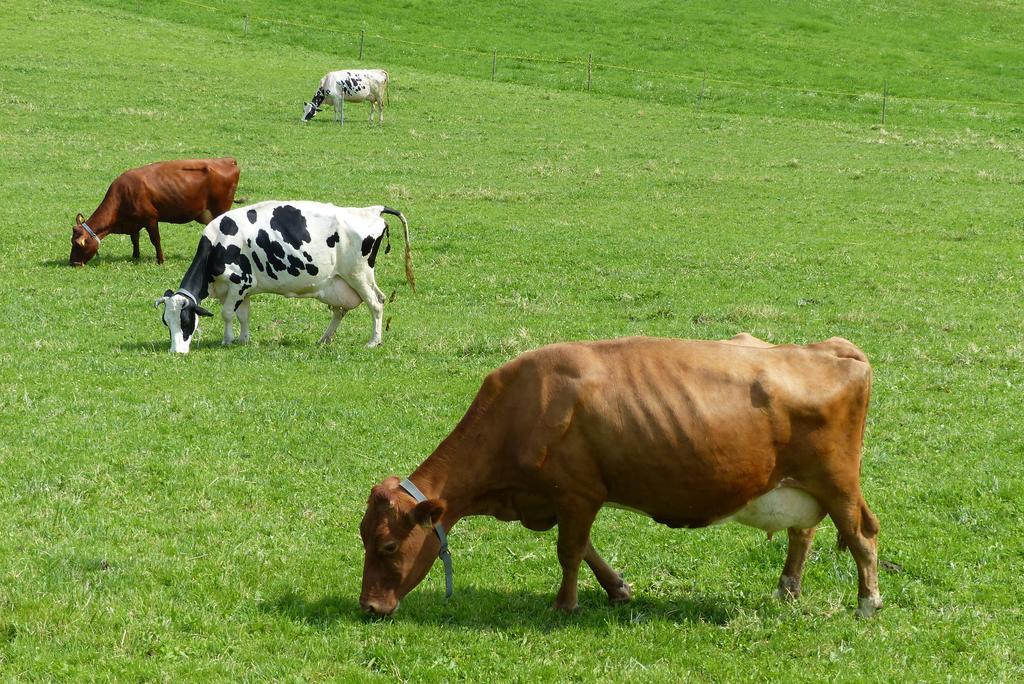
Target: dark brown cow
(688, 432)
(171, 191)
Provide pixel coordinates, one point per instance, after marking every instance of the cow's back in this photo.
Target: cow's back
(182, 190)
(687, 431)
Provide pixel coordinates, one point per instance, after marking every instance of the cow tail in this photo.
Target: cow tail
(408, 247)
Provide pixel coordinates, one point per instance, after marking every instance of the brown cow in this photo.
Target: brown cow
(172, 191)
(688, 432)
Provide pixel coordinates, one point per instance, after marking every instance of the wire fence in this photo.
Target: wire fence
(882, 97)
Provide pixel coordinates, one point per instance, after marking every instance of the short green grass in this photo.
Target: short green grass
(196, 517)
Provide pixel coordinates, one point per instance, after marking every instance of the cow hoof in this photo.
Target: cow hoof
(621, 594)
(568, 609)
(867, 607)
(788, 589)
(372, 343)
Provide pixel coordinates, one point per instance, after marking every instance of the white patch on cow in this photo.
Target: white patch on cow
(779, 509)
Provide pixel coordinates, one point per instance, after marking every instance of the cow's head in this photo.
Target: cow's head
(84, 244)
(313, 107)
(399, 545)
(180, 317)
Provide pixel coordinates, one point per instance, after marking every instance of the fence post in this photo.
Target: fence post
(885, 96)
(590, 70)
(494, 63)
(245, 25)
(361, 32)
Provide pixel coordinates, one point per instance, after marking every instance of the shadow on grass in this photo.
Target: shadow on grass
(99, 261)
(484, 609)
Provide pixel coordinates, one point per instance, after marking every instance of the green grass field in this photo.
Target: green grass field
(196, 517)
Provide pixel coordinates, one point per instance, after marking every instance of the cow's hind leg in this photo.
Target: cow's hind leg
(796, 555)
(366, 287)
(611, 581)
(858, 530)
(136, 254)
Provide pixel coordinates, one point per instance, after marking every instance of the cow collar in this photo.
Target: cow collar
(444, 554)
(90, 231)
(189, 295)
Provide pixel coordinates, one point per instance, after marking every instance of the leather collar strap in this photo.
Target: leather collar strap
(444, 554)
(183, 291)
(90, 231)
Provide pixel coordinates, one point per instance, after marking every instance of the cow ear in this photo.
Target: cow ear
(201, 311)
(168, 293)
(381, 497)
(79, 218)
(427, 513)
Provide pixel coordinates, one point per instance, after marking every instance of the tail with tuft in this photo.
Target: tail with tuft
(408, 247)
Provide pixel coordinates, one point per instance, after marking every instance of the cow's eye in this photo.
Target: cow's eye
(388, 548)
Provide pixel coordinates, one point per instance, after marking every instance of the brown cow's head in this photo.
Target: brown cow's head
(399, 543)
(83, 245)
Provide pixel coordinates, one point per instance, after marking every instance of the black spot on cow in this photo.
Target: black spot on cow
(256, 260)
(372, 259)
(222, 256)
(245, 266)
(188, 322)
(248, 243)
(295, 266)
(307, 256)
(367, 244)
(332, 239)
(238, 303)
(311, 269)
(227, 226)
(273, 253)
(235, 278)
(291, 224)
(251, 215)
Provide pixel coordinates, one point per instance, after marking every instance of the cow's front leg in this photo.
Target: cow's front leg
(153, 229)
(228, 306)
(338, 314)
(574, 521)
(243, 320)
(796, 555)
(136, 254)
(611, 581)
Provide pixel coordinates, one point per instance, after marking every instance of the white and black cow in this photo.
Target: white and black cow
(353, 85)
(295, 249)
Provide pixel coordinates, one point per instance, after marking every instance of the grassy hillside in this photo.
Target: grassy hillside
(811, 59)
(197, 517)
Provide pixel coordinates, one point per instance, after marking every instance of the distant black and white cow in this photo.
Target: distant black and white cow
(354, 85)
(295, 249)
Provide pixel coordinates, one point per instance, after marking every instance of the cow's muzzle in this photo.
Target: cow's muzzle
(378, 608)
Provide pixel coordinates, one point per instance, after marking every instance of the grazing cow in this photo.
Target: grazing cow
(295, 249)
(688, 432)
(355, 85)
(171, 191)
